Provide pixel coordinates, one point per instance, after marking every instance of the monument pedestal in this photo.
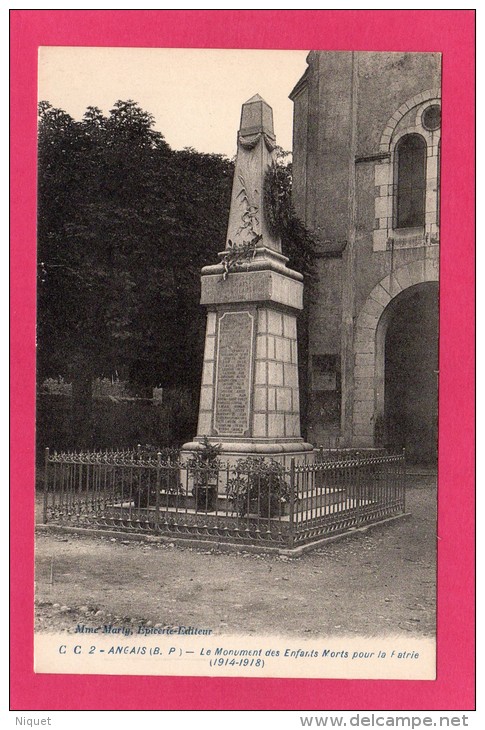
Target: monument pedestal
(249, 398)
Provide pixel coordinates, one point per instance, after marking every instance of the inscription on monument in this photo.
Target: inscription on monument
(233, 379)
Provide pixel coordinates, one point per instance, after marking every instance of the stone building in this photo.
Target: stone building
(366, 157)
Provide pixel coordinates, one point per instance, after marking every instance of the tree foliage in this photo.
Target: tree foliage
(124, 226)
(297, 242)
(300, 246)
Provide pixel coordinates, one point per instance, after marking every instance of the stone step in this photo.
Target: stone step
(307, 500)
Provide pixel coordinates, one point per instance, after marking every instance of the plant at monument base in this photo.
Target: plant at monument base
(259, 487)
(239, 255)
(203, 467)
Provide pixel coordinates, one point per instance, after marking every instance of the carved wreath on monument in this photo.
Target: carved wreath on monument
(238, 254)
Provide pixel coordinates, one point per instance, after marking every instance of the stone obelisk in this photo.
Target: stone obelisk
(249, 396)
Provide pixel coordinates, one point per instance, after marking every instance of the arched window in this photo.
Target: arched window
(410, 178)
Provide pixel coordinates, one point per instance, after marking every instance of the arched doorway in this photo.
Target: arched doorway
(411, 373)
(366, 428)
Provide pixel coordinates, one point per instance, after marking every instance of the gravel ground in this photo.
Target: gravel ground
(381, 582)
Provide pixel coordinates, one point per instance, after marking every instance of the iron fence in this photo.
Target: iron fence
(248, 502)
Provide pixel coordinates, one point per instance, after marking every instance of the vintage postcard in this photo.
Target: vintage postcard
(244, 358)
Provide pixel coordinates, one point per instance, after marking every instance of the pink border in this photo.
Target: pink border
(450, 32)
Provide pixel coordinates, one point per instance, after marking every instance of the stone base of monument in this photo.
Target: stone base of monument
(282, 452)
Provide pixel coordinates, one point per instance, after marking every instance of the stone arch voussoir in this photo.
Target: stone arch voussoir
(391, 125)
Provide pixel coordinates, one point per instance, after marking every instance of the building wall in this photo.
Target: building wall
(349, 110)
